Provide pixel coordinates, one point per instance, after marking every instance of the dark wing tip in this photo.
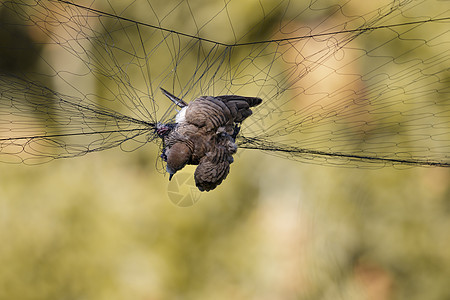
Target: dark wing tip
(255, 101)
(251, 101)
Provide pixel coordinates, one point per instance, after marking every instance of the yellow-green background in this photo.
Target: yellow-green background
(103, 226)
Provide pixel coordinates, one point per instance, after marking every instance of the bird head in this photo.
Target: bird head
(177, 157)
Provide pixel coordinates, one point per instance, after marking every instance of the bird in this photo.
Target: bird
(204, 134)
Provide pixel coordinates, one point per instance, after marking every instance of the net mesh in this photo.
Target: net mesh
(352, 84)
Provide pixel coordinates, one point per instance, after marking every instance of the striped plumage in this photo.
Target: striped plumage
(204, 136)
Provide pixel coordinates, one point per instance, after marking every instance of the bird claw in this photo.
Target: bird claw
(163, 155)
(163, 129)
(236, 130)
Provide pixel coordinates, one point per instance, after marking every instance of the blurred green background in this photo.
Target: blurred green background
(105, 226)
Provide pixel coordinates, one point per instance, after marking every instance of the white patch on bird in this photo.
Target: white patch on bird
(181, 115)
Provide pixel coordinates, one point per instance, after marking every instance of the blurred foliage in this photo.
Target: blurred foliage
(104, 227)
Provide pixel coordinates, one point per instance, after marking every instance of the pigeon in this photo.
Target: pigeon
(204, 134)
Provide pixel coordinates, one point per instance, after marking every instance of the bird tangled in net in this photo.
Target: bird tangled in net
(204, 134)
(344, 85)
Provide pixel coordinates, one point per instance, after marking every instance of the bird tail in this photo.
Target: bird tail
(239, 106)
(215, 112)
(251, 101)
(179, 102)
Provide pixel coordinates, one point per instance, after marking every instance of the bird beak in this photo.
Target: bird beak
(170, 177)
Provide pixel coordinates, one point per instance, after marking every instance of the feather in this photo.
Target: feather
(205, 134)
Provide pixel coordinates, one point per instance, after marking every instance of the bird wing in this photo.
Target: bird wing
(239, 106)
(214, 112)
(212, 169)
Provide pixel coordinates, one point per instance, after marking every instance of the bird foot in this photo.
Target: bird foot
(163, 129)
(163, 155)
(236, 130)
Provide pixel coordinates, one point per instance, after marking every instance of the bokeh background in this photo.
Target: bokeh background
(109, 226)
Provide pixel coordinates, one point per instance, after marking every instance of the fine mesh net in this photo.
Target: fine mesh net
(354, 84)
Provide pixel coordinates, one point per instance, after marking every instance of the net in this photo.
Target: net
(353, 84)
